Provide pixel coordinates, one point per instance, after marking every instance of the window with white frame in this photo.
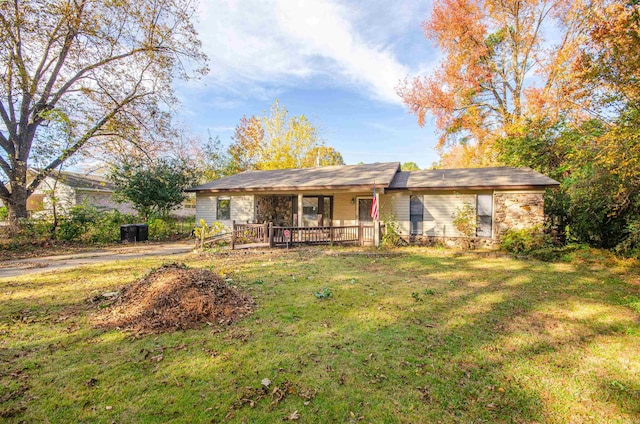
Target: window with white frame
(223, 208)
(484, 209)
(416, 215)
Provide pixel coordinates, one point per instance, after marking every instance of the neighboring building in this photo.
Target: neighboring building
(73, 189)
(423, 203)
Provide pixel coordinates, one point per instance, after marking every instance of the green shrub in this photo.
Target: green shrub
(75, 226)
(525, 240)
(106, 228)
(165, 228)
(630, 246)
(4, 213)
(391, 236)
(33, 230)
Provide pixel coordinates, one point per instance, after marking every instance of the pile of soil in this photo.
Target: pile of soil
(175, 297)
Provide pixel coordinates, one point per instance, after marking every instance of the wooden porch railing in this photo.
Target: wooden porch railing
(268, 235)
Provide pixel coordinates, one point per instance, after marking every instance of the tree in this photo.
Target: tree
(153, 188)
(247, 145)
(278, 141)
(597, 161)
(609, 64)
(409, 166)
(214, 161)
(481, 92)
(322, 156)
(103, 67)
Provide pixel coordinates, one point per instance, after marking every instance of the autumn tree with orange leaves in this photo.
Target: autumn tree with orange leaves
(497, 69)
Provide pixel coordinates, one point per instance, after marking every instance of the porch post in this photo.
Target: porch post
(299, 223)
(376, 222)
(233, 235)
(270, 234)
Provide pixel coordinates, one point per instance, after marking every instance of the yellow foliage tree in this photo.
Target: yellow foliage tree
(278, 141)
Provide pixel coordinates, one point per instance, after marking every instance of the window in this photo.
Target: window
(310, 211)
(484, 208)
(189, 202)
(416, 214)
(35, 203)
(223, 208)
(364, 210)
(316, 210)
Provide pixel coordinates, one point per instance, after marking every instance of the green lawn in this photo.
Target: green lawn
(413, 335)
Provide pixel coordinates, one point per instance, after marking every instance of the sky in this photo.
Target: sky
(336, 62)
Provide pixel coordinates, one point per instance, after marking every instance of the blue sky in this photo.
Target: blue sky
(337, 62)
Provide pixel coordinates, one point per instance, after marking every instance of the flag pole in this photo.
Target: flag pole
(375, 214)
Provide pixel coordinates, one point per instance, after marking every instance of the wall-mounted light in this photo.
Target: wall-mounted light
(353, 200)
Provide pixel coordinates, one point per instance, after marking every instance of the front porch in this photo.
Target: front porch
(269, 235)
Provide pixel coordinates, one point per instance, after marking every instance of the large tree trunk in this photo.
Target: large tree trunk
(17, 203)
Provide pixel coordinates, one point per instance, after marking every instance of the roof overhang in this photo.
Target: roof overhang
(474, 188)
(343, 188)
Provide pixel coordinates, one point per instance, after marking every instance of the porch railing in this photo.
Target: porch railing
(263, 235)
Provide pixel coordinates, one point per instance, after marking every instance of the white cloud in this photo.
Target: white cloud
(254, 44)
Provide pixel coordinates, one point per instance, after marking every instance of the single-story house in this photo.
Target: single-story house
(70, 189)
(422, 203)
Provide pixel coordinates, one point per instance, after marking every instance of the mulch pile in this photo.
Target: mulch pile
(174, 297)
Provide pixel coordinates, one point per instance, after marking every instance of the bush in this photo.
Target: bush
(76, 225)
(4, 213)
(164, 228)
(525, 241)
(391, 236)
(630, 246)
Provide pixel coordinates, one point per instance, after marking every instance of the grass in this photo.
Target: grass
(413, 335)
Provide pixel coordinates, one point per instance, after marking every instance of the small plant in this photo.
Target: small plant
(416, 296)
(204, 231)
(4, 213)
(465, 222)
(391, 236)
(323, 293)
(429, 292)
(524, 241)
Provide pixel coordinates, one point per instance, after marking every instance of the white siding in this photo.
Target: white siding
(64, 196)
(440, 211)
(242, 209)
(399, 209)
(205, 208)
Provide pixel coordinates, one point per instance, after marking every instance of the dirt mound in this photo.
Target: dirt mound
(174, 297)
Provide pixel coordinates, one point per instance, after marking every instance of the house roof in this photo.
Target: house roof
(83, 181)
(385, 175)
(471, 179)
(326, 177)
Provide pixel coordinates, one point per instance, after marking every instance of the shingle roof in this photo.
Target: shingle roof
(84, 182)
(471, 178)
(326, 177)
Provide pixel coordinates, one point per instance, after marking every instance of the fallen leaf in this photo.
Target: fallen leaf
(293, 416)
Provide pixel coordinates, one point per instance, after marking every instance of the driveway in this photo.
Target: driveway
(20, 267)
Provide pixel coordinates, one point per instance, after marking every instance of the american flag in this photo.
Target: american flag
(374, 205)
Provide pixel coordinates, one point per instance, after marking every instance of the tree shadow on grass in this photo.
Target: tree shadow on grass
(488, 341)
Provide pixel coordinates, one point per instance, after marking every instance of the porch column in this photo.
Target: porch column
(299, 224)
(376, 222)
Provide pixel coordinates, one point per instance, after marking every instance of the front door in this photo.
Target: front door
(364, 210)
